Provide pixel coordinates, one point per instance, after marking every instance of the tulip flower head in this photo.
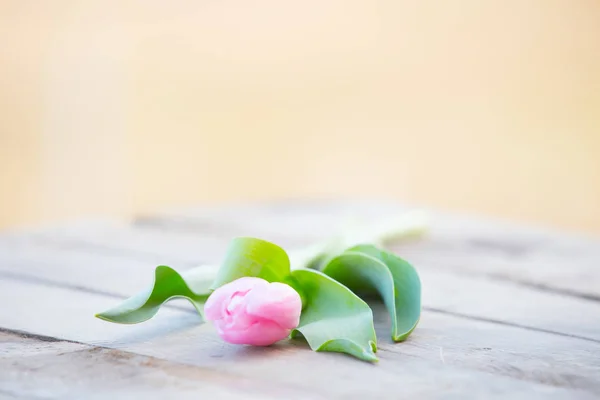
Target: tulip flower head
(253, 311)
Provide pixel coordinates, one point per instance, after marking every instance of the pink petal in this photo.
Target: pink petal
(214, 308)
(263, 333)
(275, 302)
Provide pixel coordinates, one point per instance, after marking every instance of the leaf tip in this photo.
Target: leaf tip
(102, 316)
(400, 338)
(370, 357)
(373, 346)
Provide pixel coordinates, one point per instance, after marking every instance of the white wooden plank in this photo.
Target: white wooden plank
(445, 357)
(506, 302)
(121, 239)
(561, 262)
(58, 370)
(309, 219)
(17, 346)
(148, 241)
(81, 269)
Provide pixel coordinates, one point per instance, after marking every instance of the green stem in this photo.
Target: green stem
(409, 225)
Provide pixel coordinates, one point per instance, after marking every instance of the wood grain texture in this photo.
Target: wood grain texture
(111, 237)
(446, 356)
(552, 261)
(38, 369)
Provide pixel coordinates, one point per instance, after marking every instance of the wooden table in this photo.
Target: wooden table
(508, 311)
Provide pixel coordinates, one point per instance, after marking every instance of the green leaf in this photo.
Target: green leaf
(334, 319)
(168, 284)
(253, 257)
(365, 268)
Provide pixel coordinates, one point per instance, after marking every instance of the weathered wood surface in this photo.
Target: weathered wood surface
(35, 368)
(513, 313)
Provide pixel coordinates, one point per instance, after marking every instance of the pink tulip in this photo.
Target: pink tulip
(254, 311)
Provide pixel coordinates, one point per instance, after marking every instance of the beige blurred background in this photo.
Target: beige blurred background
(123, 107)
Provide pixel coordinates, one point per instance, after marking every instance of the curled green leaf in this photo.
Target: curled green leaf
(168, 285)
(334, 319)
(253, 257)
(365, 268)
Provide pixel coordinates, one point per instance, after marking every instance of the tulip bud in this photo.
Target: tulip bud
(253, 311)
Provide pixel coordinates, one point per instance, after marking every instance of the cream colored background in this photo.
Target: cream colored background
(121, 107)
